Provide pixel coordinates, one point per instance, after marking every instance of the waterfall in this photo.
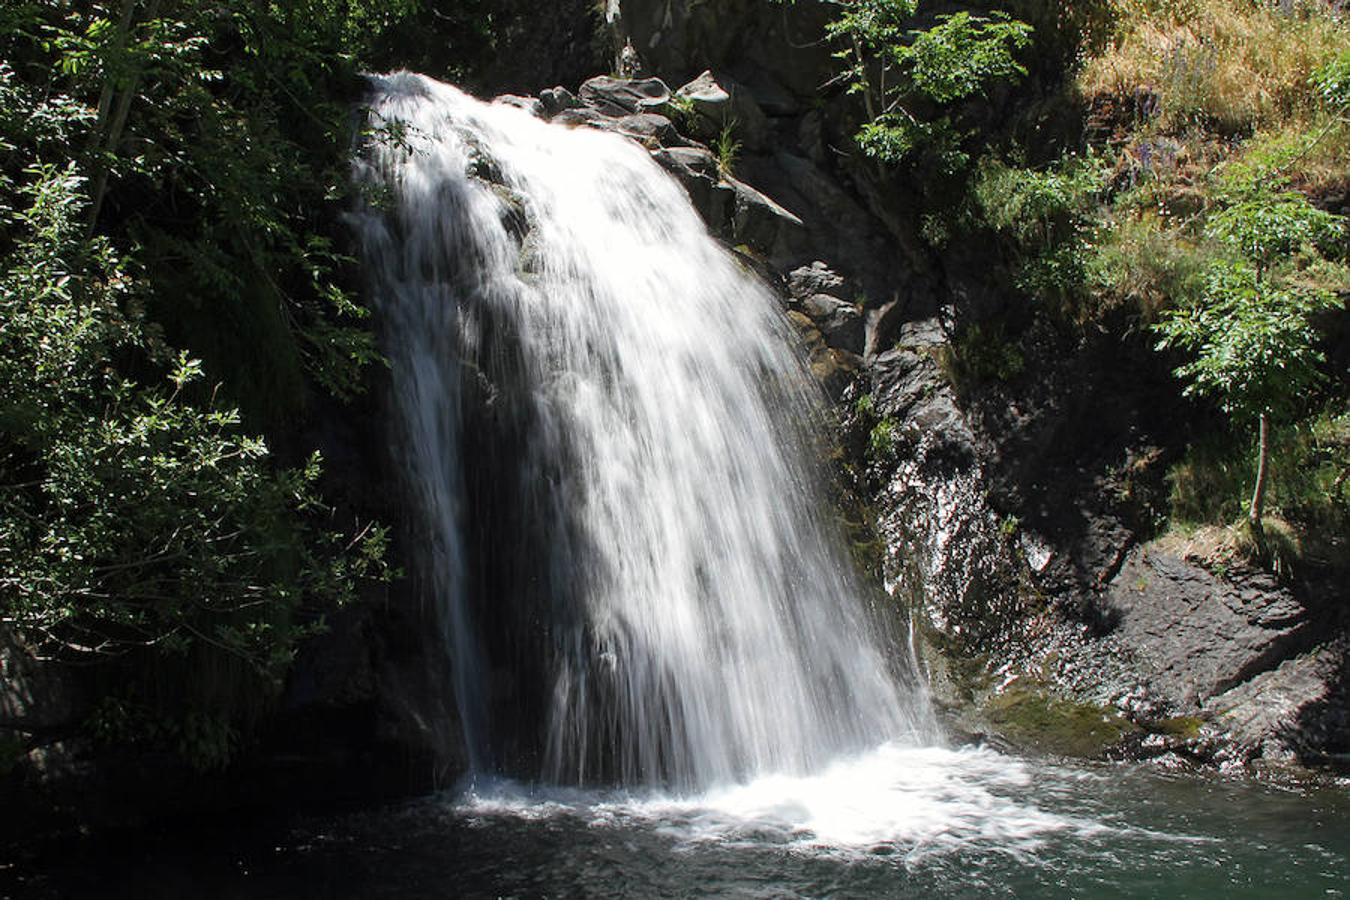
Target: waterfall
(609, 439)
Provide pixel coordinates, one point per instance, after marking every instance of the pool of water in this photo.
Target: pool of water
(896, 822)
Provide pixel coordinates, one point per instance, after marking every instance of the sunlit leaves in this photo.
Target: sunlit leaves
(962, 53)
(911, 78)
(1253, 345)
(1251, 334)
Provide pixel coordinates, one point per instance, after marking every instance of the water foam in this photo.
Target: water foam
(896, 800)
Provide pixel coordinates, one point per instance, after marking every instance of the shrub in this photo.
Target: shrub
(137, 523)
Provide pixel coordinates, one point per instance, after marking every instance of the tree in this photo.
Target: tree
(132, 519)
(170, 177)
(1252, 332)
(910, 80)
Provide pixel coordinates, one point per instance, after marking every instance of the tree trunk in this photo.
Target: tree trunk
(110, 137)
(1262, 464)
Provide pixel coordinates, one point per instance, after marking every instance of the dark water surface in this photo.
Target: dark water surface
(896, 823)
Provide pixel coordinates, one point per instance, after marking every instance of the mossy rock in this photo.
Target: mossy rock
(1029, 717)
(1187, 728)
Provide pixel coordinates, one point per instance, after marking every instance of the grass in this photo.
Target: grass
(1226, 65)
(1314, 154)
(1148, 260)
(1308, 499)
(727, 148)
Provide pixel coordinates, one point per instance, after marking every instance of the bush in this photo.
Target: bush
(132, 521)
(171, 182)
(1050, 219)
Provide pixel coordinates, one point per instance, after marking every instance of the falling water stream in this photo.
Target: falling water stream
(669, 680)
(700, 625)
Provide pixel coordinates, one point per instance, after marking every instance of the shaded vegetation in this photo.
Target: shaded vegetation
(170, 175)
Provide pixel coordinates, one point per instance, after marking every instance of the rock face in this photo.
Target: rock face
(1196, 636)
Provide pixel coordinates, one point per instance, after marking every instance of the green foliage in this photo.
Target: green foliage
(1050, 219)
(132, 519)
(727, 148)
(881, 442)
(1254, 344)
(1265, 225)
(864, 407)
(1252, 333)
(910, 80)
(956, 58)
(1026, 713)
(170, 175)
(1331, 83)
(1148, 263)
(214, 141)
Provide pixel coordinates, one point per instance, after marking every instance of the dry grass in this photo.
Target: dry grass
(1227, 65)
(1280, 548)
(1315, 156)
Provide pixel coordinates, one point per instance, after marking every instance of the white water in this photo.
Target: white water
(702, 627)
(919, 802)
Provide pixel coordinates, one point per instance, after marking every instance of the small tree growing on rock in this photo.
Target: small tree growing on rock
(911, 80)
(1252, 332)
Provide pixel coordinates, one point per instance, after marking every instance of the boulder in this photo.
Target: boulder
(649, 129)
(532, 105)
(582, 116)
(816, 278)
(758, 220)
(558, 99)
(1296, 711)
(838, 320)
(719, 103)
(618, 97)
(1195, 635)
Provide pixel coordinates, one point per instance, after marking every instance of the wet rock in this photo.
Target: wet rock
(835, 369)
(838, 320)
(531, 105)
(651, 130)
(583, 116)
(557, 99)
(816, 278)
(759, 221)
(1297, 710)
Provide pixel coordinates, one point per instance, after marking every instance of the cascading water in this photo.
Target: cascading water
(607, 430)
